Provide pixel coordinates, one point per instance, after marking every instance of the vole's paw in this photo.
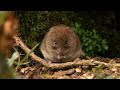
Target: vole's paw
(77, 60)
(48, 61)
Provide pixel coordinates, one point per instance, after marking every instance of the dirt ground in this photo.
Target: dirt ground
(36, 71)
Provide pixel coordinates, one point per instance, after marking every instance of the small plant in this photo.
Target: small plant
(25, 59)
(91, 41)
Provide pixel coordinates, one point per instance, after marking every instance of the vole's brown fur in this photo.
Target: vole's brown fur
(61, 44)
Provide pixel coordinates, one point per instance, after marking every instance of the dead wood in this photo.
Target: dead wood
(52, 66)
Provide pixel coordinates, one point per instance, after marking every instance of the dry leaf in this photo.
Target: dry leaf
(88, 75)
(114, 69)
(23, 70)
(78, 70)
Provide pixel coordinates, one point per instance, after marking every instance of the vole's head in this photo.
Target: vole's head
(62, 40)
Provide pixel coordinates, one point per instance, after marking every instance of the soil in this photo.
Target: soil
(36, 71)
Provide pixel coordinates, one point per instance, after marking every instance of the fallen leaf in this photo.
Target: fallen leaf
(78, 70)
(88, 75)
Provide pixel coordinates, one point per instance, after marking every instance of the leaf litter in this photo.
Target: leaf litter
(37, 71)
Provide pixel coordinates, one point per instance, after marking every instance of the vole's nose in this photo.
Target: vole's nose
(61, 54)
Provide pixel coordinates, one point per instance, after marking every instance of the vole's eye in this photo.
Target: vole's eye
(65, 42)
(55, 43)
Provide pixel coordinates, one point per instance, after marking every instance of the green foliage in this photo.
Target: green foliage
(35, 24)
(26, 57)
(2, 16)
(104, 76)
(91, 40)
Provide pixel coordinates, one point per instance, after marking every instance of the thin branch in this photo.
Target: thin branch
(52, 66)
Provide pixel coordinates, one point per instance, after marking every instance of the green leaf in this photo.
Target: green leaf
(77, 25)
(80, 32)
(85, 39)
(94, 31)
(26, 57)
(90, 47)
(86, 44)
(99, 49)
(104, 41)
(101, 75)
(95, 36)
(87, 49)
(94, 43)
(98, 46)
(90, 33)
(89, 41)
(105, 47)
(109, 77)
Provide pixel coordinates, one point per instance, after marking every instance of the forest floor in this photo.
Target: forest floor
(36, 71)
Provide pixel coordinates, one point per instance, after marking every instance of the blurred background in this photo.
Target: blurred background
(99, 31)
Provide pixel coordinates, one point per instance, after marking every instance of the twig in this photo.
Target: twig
(52, 66)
